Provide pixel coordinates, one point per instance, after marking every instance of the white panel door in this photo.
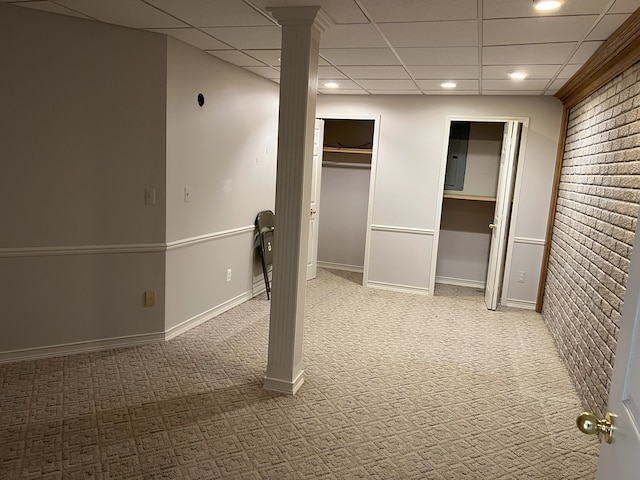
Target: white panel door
(314, 209)
(621, 459)
(500, 225)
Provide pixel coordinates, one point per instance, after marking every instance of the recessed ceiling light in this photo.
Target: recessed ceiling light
(518, 75)
(448, 85)
(546, 5)
(331, 85)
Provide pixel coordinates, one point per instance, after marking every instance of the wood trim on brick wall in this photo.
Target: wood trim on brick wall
(617, 54)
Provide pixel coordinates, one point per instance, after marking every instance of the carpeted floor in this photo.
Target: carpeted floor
(397, 386)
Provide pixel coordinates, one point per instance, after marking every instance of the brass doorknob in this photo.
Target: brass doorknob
(313, 212)
(590, 424)
(492, 226)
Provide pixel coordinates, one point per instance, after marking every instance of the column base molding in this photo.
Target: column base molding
(284, 386)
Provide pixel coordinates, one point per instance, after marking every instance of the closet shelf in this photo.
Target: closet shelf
(469, 197)
(358, 151)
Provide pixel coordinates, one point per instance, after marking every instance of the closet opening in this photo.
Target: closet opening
(347, 157)
(476, 209)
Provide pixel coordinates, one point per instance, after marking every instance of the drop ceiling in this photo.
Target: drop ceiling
(387, 46)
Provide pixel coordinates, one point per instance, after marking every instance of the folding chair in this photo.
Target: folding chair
(265, 225)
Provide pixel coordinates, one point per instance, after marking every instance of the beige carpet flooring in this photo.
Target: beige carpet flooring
(398, 386)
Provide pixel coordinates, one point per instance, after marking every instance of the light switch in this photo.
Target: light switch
(187, 194)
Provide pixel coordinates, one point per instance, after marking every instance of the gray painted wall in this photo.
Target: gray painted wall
(83, 134)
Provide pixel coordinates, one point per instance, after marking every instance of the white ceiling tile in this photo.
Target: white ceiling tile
(524, 8)
(395, 92)
(212, 13)
(625, 6)
(51, 7)
(439, 56)
(342, 85)
(432, 34)
(330, 73)
(351, 36)
(584, 52)
(129, 13)
(556, 85)
(360, 56)
(270, 57)
(541, 54)
(329, 91)
(501, 72)
(607, 26)
(569, 71)
(248, 38)
(420, 11)
(193, 37)
(514, 85)
(373, 72)
(266, 72)
(434, 85)
(387, 84)
(236, 57)
(511, 92)
(515, 31)
(454, 91)
(340, 11)
(443, 71)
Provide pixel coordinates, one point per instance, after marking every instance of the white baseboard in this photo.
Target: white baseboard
(398, 288)
(461, 282)
(284, 386)
(206, 315)
(341, 266)
(80, 347)
(258, 287)
(526, 304)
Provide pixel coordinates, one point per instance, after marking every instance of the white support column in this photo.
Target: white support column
(301, 29)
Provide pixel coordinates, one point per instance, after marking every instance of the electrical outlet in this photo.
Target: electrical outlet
(228, 275)
(149, 298)
(521, 276)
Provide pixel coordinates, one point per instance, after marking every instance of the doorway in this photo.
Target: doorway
(478, 186)
(347, 172)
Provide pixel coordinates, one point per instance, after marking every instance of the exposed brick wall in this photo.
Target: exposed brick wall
(593, 234)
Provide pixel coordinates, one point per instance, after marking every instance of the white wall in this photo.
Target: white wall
(83, 134)
(225, 153)
(344, 203)
(411, 149)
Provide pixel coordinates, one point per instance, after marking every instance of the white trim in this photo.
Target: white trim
(283, 386)
(185, 242)
(82, 250)
(461, 282)
(206, 315)
(80, 347)
(398, 288)
(526, 304)
(341, 266)
(530, 241)
(392, 228)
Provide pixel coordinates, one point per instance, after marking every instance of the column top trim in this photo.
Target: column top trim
(306, 15)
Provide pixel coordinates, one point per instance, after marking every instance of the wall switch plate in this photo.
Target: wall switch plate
(187, 194)
(228, 275)
(149, 196)
(149, 298)
(521, 276)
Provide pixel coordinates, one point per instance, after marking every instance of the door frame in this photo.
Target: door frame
(516, 191)
(372, 179)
